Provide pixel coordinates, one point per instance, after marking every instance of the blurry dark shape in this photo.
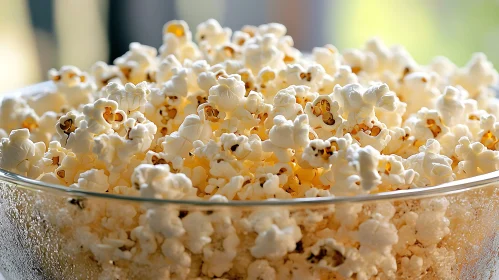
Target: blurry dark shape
(42, 19)
(42, 14)
(134, 21)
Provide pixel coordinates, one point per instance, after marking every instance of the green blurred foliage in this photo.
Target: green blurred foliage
(453, 28)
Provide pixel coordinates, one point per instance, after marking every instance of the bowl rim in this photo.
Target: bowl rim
(442, 189)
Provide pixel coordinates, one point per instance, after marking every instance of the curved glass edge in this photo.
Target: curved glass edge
(447, 188)
(443, 189)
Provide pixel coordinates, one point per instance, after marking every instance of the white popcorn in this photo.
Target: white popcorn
(489, 131)
(18, 153)
(129, 98)
(295, 74)
(175, 251)
(418, 90)
(285, 105)
(442, 66)
(45, 129)
(475, 159)
(177, 40)
(74, 84)
(198, 229)
(277, 29)
(393, 173)
(211, 33)
(262, 51)
(228, 94)
(180, 143)
(360, 61)
(477, 75)
(165, 69)
(103, 115)
(261, 269)
(93, 180)
(392, 119)
(115, 151)
(366, 161)
(16, 113)
(175, 89)
(145, 238)
(138, 64)
(433, 168)
(104, 74)
(323, 112)
(345, 76)
(285, 135)
(358, 104)
(432, 225)
(329, 57)
(450, 140)
(450, 106)
(426, 124)
(274, 242)
(156, 181)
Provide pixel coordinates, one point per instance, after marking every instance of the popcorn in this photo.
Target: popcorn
(312, 77)
(73, 84)
(418, 90)
(93, 180)
(103, 115)
(474, 158)
(104, 74)
(245, 116)
(115, 151)
(285, 135)
(165, 69)
(274, 242)
(329, 57)
(261, 269)
(228, 94)
(211, 33)
(15, 113)
(129, 98)
(433, 168)
(427, 124)
(366, 161)
(177, 40)
(262, 51)
(489, 131)
(344, 76)
(450, 106)
(180, 142)
(291, 54)
(358, 104)
(156, 181)
(18, 154)
(198, 230)
(285, 105)
(323, 113)
(477, 75)
(138, 64)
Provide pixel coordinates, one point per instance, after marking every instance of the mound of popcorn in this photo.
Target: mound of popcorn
(245, 116)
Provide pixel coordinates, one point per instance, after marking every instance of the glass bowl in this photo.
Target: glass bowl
(450, 231)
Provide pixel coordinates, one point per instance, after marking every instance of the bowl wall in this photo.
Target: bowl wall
(57, 235)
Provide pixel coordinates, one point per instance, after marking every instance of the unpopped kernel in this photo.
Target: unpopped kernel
(245, 116)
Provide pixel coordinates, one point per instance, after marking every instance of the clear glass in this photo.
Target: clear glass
(49, 232)
(449, 231)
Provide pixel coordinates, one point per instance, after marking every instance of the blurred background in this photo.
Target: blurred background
(36, 35)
